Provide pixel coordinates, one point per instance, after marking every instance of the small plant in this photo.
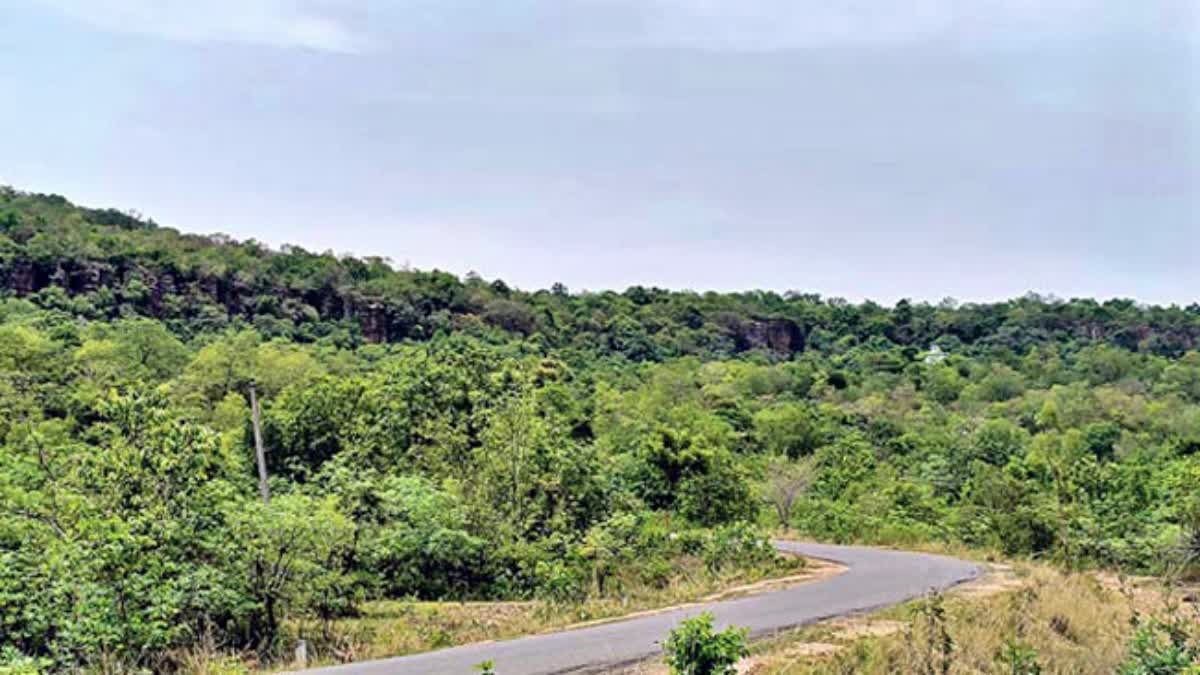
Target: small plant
(1187, 551)
(1018, 658)
(486, 668)
(13, 662)
(695, 649)
(1166, 642)
(928, 638)
(1162, 647)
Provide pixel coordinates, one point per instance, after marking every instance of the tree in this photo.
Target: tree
(230, 363)
(1001, 384)
(137, 521)
(530, 479)
(786, 482)
(943, 383)
(790, 429)
(998, 440)
(1183, 377)
(719, 495)
(289, 552)
(410, 538)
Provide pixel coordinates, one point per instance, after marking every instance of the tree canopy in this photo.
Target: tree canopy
(435, 437)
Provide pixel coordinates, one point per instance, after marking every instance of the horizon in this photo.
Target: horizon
(974, 150)
(1048, 297)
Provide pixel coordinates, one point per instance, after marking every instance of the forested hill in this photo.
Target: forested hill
(562, 448)
(105, 264)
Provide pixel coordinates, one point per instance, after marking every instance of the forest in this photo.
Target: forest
(436, 437)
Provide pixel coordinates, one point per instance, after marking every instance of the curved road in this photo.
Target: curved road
(874, 578)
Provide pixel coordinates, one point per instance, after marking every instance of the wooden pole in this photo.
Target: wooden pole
(263, 487)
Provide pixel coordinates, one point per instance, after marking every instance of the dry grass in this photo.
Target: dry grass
(394, 628)
(1070, 623)
(1076, 623)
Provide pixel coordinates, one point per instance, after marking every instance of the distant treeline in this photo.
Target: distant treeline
(106, 264)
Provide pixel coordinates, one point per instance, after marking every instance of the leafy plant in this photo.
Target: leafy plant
(694, 648)
(1163, 647)
(929, 637)
(13, 662)
(1018, 658)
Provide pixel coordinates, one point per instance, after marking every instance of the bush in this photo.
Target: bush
(738, 543)
(13, 662)
(1162, 648)
(560, 581)
(720, 496)
(1018, 658)
(695, 649)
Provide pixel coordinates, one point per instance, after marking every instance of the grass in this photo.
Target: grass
(1022, 620)
(398, 627)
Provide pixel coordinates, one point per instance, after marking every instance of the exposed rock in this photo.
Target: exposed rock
(86, 278)
(374, 319)
(779, 335)
(21, 277)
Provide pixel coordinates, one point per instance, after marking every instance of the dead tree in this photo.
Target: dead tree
(259, 452)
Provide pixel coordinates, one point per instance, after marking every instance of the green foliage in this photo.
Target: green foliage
(1162, 648)
(13, 662)
(929, 640)
(289, 552)
(412, 538)
(1017, 658)
(788, 429)
(738, 543)
(436, 437)
(136, 522)
(695, 648)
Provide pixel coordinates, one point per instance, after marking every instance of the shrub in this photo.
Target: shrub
(13, 662)
(560, 581)
(1162, 648)
(738, 543)
(695, 649)
(931, 649)
(1018, 658)
(721, 496)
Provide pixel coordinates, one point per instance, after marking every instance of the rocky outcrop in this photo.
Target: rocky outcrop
(373, 317)
(779, 335)
(21, 277)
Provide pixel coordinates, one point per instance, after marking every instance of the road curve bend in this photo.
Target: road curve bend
(874, 578)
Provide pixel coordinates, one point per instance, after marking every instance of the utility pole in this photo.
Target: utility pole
(263, 488)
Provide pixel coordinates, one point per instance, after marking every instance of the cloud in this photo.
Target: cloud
(746, 25)
(771, 25)
(784, 24)
(275, 23)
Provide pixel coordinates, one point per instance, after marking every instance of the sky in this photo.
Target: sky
(975, 149)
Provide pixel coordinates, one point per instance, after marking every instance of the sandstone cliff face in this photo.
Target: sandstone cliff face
(21, 278)
(373, 317)
(381, 320)
(779, 335)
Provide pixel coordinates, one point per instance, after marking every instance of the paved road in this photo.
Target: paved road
(875, 578)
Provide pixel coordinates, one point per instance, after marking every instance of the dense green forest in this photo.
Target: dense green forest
(435, 437)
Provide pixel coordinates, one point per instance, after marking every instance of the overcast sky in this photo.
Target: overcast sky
(919, 148)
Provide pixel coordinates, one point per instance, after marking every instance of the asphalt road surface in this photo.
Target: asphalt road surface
(875, 578)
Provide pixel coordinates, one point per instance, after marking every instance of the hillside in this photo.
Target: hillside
(103, 264)
(435, 438)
